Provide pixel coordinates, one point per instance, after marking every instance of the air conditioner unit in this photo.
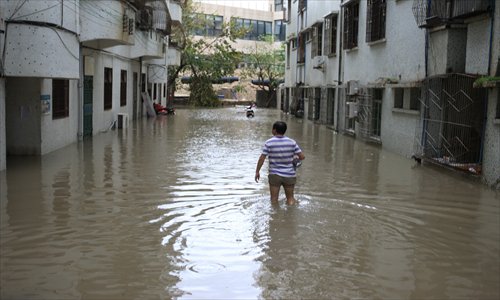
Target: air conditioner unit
(353, 87)
(122, 120)
(318, 62)
(352, 109)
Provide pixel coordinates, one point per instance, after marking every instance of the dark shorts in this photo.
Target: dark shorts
(276, 180)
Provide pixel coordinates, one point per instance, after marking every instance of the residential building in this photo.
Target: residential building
(416, 77)
(75, 68)
(261, 18)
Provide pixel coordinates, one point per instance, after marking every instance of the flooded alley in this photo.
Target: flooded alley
(168, 208)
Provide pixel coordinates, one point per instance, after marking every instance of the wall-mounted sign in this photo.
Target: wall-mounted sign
(45, 107)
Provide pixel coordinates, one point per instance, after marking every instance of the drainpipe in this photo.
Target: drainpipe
(80, 93)
(492, 28)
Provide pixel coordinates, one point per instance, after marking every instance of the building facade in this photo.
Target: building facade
(418, 77)
(75, 68)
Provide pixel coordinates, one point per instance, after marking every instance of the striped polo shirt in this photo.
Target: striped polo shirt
(280, 151)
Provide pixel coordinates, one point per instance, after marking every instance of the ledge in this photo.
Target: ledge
(406, 111)
(381, 41)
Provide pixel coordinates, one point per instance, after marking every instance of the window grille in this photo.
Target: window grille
(317, 40)
(330, 46)
(302, 5)
(123, 88)
(351, 22)
(60, 98)
(301, 55)
(108, 88)
(375, 20)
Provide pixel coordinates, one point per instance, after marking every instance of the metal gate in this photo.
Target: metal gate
(87, 105)
(453, 122)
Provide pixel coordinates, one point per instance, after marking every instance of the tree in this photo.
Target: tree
(207, 59)
(267, 65)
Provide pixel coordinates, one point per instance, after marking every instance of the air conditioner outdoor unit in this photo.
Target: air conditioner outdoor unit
(122, 121)
(352, 87)
(318, 62)
(352, 109)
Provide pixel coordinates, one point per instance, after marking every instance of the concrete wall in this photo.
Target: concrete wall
(477, 35)
(400, 56)
(398, 126)
(491, 152)
(23, 116)
(37, 51)
(3, 158)
(58, 133)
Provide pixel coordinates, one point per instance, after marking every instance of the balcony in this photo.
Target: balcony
(107, 23)
(432, 13)
(41, 36)
(175, 11)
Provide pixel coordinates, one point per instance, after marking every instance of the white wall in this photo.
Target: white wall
(35, 51)
(478, 35)
(58, 133)
(401, 56)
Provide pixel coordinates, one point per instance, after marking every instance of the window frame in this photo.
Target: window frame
(330, 34)
(375, 20)
(351, 25)
(108, 88)
(123, 87)
(406, 99)
(317, 39)
(60, 98)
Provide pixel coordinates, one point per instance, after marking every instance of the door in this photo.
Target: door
(87, 105)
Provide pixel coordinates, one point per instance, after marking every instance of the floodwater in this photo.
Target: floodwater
(168, 208)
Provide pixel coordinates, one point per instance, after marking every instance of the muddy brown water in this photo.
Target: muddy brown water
(169, 209)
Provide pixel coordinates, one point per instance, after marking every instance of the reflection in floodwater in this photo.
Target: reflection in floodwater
(168, 209)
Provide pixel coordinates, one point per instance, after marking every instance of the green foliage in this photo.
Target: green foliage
(267, 64)
(486, 81)
(205, 60)
(202, 93)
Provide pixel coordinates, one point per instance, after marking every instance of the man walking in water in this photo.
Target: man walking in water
(281, 151)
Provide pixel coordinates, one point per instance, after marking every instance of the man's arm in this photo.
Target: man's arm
(262, 158)
(301, 156)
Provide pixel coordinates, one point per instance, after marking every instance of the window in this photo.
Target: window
(143, 82)
(207, 25)
(375, 20)
(294, 43)
(279, 30)
(407, 98)
(331, 34)
(123, 88)
(317, 40)
(278, 5)
(108, 88)
(351, 21)
(302, 5)
(60, 98)
(256, 28)
(301, 55)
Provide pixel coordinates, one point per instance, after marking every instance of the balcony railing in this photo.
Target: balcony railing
(431, 13)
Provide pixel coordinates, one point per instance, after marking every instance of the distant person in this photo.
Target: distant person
(281, 151)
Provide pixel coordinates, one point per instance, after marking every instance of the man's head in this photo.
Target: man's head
(279, 127)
